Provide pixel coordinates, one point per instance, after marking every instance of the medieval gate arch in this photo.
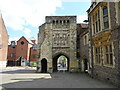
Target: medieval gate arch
(55, 61)
(57, 36)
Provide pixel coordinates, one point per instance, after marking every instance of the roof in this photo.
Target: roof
(62, 16)
(28, 40)
(83, 25)
(32, 38)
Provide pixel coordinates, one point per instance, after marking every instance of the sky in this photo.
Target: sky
(23, 17)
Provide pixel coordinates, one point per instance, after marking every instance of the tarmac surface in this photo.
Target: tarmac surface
(21, 77)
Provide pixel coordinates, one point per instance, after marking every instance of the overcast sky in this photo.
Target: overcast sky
(23, 17)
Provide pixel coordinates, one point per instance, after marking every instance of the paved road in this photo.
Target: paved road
(27, 78)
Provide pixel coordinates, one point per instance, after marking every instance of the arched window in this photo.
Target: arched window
(64, 21)
(53, 22)
(60, 21)
(57, 22)
(68, 21)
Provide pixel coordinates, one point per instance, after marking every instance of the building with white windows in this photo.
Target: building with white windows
(104, 29)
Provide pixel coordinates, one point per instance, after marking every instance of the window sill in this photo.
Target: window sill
(104, 30)
(105, 65)
(97, 64)
(110, 66)
(86, 44)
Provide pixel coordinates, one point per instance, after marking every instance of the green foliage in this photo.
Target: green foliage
(62, 58)
(33, 64)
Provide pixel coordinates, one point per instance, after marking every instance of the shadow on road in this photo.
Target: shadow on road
(20, 71)
(57, 80)
(28, 78)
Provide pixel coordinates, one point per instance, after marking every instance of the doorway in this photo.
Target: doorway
(44, 66)
(85, 65)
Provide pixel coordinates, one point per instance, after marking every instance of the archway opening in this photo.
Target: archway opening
(43, 66)
(19, 61)
(85, 65)
(60, 63)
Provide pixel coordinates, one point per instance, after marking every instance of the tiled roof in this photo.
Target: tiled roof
(83, 25)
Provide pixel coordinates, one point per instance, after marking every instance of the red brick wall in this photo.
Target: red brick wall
(33, 55)
(10, 51)
(22, 50)
(29, 46)
(3, 40)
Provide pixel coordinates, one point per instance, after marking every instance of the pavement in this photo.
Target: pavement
(22, 77)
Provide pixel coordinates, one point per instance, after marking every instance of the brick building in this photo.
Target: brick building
(104, 26)
(3, 43)
(33, 52)
(21, 51)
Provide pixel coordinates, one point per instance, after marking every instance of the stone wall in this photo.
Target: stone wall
(60, 37)
(84, 49)
(104, 72)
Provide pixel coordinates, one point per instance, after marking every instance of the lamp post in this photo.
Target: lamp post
(86, 21)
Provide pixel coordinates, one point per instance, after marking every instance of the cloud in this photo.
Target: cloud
(13, 39)
(81, 18)
(27, 32)
(76, 0)
(19, 13)
(90, 0)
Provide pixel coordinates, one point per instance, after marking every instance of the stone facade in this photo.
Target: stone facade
(83, 44)
(58, 37)
(3, 43)
(105, 54)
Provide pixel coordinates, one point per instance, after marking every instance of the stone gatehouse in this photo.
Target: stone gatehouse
(56, 37)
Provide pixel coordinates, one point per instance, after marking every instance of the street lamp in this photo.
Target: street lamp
(86, 21)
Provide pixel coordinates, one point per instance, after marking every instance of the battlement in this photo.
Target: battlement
(60, 19)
